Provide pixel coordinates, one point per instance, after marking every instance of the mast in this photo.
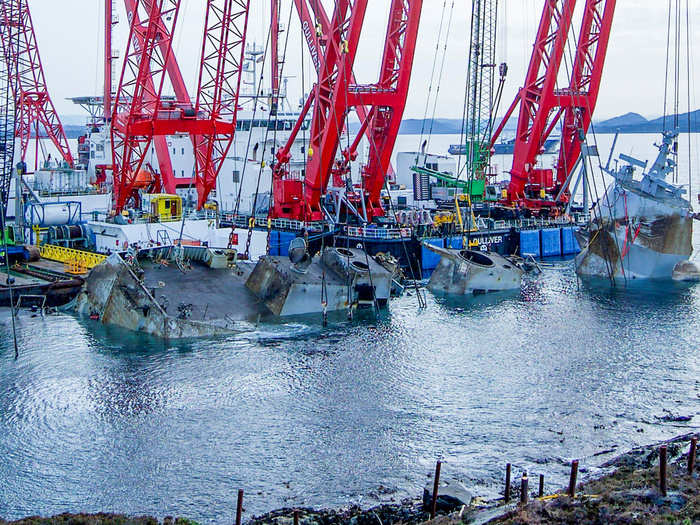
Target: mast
(274, 57)
(109, 23)
(480, 85)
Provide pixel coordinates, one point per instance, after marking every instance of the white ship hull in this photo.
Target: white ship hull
(637, 236)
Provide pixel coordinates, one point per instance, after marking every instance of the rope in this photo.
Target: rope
(668, 59)
(251, 222)
(608, 258)
(690, 127)
(432, 76)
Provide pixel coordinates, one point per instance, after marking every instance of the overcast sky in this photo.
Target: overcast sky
(70, 37)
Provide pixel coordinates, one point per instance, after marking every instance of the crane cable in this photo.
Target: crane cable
(432, 78)
(567, 57)
(608, 258)
(274, 134)
(442, 70)
(251, 218)
(373, 146)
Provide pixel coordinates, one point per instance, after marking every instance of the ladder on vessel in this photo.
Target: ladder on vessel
(163, 238)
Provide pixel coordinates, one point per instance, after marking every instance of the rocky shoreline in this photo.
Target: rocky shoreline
(627, 492)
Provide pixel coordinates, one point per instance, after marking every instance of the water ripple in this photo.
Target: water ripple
(96, 418)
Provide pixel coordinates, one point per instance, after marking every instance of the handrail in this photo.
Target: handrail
(70, 256)
(378, 233)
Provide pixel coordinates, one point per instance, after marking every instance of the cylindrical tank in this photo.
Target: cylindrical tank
(52, 214)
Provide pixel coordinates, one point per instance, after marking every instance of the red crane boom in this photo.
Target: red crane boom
(140, 116)
(35, 110)
(221, 73)
(543, 104)
(335, 95)
(316, 38)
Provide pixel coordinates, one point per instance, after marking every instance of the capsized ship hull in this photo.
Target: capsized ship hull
(640, 229)
(463, 272)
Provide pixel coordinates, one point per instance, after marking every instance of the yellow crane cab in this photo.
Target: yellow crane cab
(166, 207)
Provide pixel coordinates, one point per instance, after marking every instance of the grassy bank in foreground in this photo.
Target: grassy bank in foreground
(628, 494)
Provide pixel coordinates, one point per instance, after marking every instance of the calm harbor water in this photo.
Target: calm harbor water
(99, 419)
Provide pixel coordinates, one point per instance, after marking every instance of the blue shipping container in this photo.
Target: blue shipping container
(279, 242)
(456, 243)
(569, 242)
(551, 242)
(529, 243)
(430, 258)
(285, 239)
(274, 243)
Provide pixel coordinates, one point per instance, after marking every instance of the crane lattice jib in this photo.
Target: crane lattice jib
(169, 181)
(480, 87)
(140, 116)
(585, 82)
(220, 78)
(387, 99)
(138, 96)
(543, 104)
(34, 107)
(9, 35)
(381, 106)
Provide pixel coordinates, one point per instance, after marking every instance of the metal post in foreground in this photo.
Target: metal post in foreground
(572, 478)
(540, 493)
(436, 484)
(523, 489)
(507, 498)
(239, 507)
(691, 455)
(663, 463)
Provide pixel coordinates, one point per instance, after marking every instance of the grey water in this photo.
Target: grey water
(99, 419)
(94, 418)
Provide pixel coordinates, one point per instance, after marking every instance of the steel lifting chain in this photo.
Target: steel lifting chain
(324, 299)
(251, 225)
(269, 233)
(232, 237)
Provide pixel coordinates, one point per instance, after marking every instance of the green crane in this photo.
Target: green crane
(481, 100)
(480, 96)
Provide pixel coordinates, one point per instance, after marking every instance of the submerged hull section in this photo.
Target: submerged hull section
(169, 302)
(462, 272)
(337, 280)
(636, 236)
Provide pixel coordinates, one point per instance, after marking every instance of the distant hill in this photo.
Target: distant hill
(628, 119)
(635, 123)
(627, 123)
(73, 131)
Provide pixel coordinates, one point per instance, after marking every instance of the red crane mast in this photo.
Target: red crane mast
(35, 110)
(543, 104)
(315, 34)
(140, 114)
(335, 95)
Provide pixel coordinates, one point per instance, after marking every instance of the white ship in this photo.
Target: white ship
(56, 196)
(640, 229)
